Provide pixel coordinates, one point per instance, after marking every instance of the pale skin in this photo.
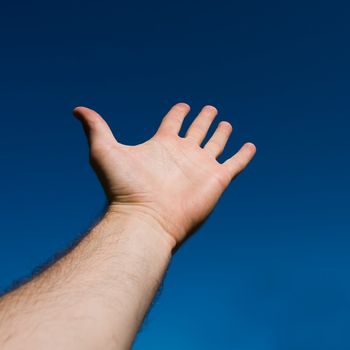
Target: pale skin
(159, 192)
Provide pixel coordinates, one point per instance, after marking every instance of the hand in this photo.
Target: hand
(170, 179)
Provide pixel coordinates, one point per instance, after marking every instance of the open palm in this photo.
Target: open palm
(169, 178)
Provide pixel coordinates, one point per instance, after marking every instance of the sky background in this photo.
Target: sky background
(270, 268)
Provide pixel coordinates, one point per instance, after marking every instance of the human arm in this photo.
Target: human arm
(158, 192)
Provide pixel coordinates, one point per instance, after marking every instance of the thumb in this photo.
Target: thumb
(96, 129)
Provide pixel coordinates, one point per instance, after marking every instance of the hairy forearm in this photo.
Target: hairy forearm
(96, 296)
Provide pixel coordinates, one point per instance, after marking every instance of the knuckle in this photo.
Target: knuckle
(199, 128)
(224, 178)
(97, 150)
(216, 143)
(241, 164)
(95, 123)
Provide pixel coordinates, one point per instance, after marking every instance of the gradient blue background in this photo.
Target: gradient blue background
(270, 268)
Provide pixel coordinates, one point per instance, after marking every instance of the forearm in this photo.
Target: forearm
(97, 295)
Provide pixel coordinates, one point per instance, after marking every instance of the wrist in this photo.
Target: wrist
(137, 219)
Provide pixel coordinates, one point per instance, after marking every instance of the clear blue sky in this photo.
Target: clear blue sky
(270, 268)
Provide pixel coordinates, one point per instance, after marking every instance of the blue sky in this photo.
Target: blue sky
(270, 267)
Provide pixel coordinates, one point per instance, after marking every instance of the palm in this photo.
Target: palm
(169, 177)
